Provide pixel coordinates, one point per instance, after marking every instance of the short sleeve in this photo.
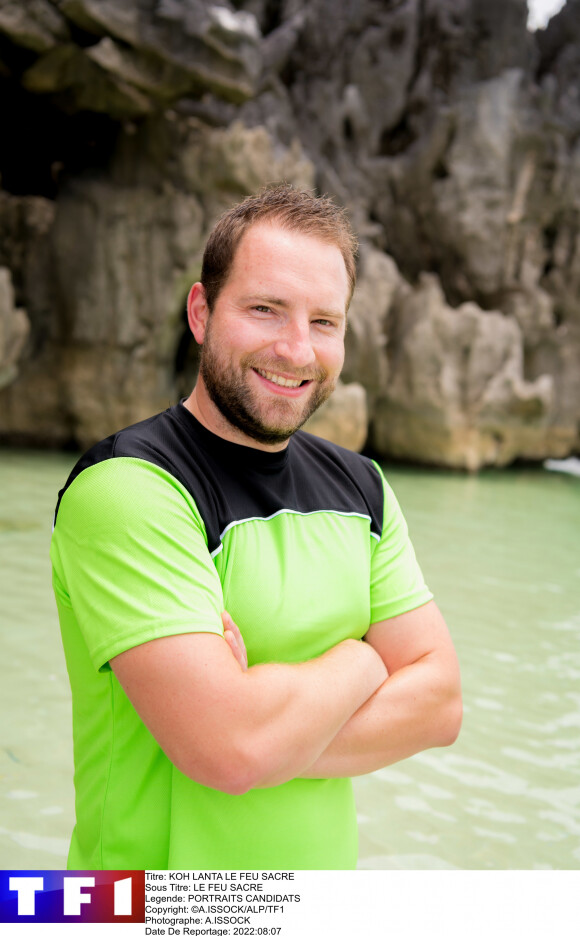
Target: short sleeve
(397, 583)
(130, 558)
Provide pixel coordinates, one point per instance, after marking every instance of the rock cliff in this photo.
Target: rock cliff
(449, 131)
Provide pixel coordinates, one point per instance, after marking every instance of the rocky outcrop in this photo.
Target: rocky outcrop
(343, 419)
(456, 393)
(448, 130)
(126, 245)
(447, 385)
(14, 329)
(125, 59)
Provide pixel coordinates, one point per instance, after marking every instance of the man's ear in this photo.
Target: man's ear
(197, 312)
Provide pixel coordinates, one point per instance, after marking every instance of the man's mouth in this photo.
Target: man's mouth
(280, 381)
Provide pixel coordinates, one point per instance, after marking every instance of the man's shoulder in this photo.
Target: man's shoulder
(338, 476)
(157, 440)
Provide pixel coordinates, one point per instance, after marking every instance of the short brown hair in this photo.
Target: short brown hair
(293, 209)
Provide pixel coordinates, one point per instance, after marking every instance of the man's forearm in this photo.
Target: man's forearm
(233, 729)
(416, 708)
(303, 706)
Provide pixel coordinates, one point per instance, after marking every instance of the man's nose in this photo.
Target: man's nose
(294, 344)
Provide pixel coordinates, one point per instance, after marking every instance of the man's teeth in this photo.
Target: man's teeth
(281, 381)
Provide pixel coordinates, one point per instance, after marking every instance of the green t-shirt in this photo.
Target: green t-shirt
(160, 528)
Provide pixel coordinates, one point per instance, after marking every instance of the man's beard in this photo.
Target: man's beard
(241, 406)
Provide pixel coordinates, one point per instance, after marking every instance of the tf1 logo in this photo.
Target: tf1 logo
(72, 896)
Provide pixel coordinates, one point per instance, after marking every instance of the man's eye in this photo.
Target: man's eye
(327, 323)
(262, 308)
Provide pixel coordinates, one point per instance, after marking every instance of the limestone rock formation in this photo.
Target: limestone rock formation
(448, 130)
(343, 419)
(456, 393)
(379, 281)
(121, 58)
(14, 329)
(126, 246)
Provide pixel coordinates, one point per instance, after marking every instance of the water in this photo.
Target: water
(36, 790)
(500, 551)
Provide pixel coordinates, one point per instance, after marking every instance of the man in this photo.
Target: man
(216, 570)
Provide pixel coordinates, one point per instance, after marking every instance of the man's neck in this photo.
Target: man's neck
(200, 405)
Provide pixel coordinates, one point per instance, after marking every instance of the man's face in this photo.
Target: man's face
(273, 347)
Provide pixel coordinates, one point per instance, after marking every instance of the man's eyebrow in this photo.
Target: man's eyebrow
(266, 300)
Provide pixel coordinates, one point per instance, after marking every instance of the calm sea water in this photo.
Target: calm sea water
(501, 551)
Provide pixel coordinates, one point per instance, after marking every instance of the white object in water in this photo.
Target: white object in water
(567, 465)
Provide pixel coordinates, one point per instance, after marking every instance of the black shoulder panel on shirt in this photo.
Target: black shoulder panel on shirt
(231, 483)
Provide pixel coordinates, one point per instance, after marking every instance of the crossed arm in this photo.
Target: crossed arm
(419, 706)
(235, 728)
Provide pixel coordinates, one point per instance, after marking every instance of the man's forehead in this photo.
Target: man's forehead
(270, 233)
(270, 240)
(266, 253)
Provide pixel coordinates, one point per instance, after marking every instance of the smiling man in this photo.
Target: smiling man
(273, 345)
(244, 621)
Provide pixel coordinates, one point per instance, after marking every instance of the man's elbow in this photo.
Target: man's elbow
(451, 719)
(252, 770)
(234, 772)
(233, 782)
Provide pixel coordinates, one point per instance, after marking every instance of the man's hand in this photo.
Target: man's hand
(234, 640)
